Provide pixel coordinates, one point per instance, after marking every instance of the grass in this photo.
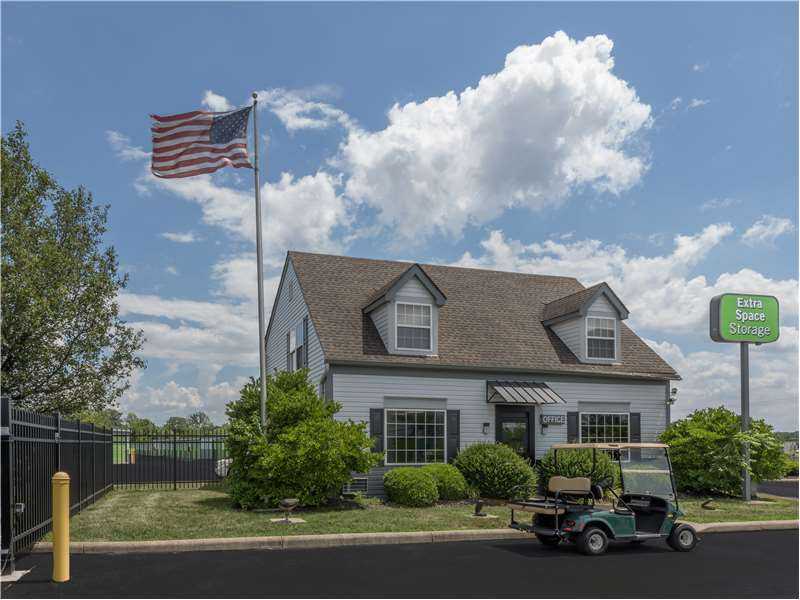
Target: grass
(125, 515)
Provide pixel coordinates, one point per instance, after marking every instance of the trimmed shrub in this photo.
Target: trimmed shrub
(303, 453)
(450, 483)
(789, 466)
(577, 463)
(410, 486)
(496, 471)
(707, 455)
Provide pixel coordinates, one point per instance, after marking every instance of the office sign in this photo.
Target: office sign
(553, 419)
(739, 318)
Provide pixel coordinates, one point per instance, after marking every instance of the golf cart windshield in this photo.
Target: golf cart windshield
(647, 471)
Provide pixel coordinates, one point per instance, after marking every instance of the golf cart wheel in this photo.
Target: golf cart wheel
(683, 538)
(549, 540)
(593, 541)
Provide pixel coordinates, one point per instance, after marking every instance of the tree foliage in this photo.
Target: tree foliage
(303, 453)
(707, 455)
(64, 346)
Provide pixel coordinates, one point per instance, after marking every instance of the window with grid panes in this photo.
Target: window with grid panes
(413, 326)
(605, 428)
(415, 436)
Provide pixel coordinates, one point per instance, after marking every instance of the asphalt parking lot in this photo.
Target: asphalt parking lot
(787, 488)
(730, 565)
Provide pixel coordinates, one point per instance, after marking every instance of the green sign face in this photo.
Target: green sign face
(744, 318)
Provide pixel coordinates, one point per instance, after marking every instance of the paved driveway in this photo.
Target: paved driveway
(784, 487)
(730, 565)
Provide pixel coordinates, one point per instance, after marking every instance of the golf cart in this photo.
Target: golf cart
(646, 509)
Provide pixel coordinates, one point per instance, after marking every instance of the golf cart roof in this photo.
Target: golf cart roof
(608, 446)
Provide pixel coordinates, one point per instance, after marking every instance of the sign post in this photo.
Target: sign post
(744, 319)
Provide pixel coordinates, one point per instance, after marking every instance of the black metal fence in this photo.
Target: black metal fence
(169, 459)
(35, 446)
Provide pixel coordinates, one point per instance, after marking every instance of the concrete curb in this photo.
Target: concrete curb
(732, 526)
(335, 540)
(285, 542)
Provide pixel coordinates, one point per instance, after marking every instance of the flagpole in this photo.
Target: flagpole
(262, 355)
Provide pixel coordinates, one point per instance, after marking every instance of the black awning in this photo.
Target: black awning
(521, 392)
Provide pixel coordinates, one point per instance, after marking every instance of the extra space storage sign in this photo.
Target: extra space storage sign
(744, 318)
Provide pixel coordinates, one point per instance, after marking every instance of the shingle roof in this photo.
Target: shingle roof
(574, 303)
(492, 319)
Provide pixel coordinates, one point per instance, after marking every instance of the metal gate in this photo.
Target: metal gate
(34, 446)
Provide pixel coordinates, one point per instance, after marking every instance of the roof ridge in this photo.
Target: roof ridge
(410, 263)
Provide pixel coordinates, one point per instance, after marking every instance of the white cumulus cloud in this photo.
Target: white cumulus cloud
(664, 281)
(554, 118)
(766, 230)
(179, 237)
(215, 102)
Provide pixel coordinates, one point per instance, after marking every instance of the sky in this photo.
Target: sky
(652, 146)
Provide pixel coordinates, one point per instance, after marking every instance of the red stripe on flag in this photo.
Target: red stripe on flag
(194, 123)
(198, 161)
(194, 148)
(203, 171)
(181, 116)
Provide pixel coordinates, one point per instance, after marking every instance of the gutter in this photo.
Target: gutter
(422, 365)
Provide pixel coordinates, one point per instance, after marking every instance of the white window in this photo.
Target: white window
(605, 428)
(415, 436)
(601, 338)
(413, 326)
(296, 347)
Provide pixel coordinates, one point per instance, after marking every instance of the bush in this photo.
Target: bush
(578, 463)
(410, 486)
(496, 471)
(303, 453)
(790, 466)
(450, 483)
(706, 452)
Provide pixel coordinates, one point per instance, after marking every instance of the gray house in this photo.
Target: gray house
(435, 358)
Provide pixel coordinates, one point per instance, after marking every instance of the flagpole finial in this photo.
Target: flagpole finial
(255, 95)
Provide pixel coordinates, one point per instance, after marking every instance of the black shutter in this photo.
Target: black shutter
(376, 428)
(636, 427)
(288, 354)
(453, 433)
(305, 342)
(572, 428)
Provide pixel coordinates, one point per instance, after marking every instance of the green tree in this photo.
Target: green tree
(108, 418)
(304, 453)
(135, 423)
(707, 455)
(177, 423)
(64, 347)
(199, 420)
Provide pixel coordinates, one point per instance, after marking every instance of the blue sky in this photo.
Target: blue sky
(650, 145)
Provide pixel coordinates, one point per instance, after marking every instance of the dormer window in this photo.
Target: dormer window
(413, 326)
(601, 338)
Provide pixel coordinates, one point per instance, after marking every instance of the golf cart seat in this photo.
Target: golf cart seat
(554, 502)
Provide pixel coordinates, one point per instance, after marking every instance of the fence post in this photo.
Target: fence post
(92, 448)
(174, 459)
(80, 467)
(6, 485)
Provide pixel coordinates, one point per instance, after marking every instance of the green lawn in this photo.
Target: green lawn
(207, 513)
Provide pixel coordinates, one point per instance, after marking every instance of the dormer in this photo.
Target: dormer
(588, 322)
(406, 313)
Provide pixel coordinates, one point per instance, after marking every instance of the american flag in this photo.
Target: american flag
(199, 142)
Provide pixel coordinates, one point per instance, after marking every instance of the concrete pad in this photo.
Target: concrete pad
(289, 521)
(14, 577)
(486, 516)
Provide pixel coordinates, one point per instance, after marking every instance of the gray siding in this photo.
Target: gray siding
(412, 291)
(380, 317)
(573, 334)
(289, 311)
(603, 308)
(358, 390)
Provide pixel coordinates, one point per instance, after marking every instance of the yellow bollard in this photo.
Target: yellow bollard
(60, 527)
